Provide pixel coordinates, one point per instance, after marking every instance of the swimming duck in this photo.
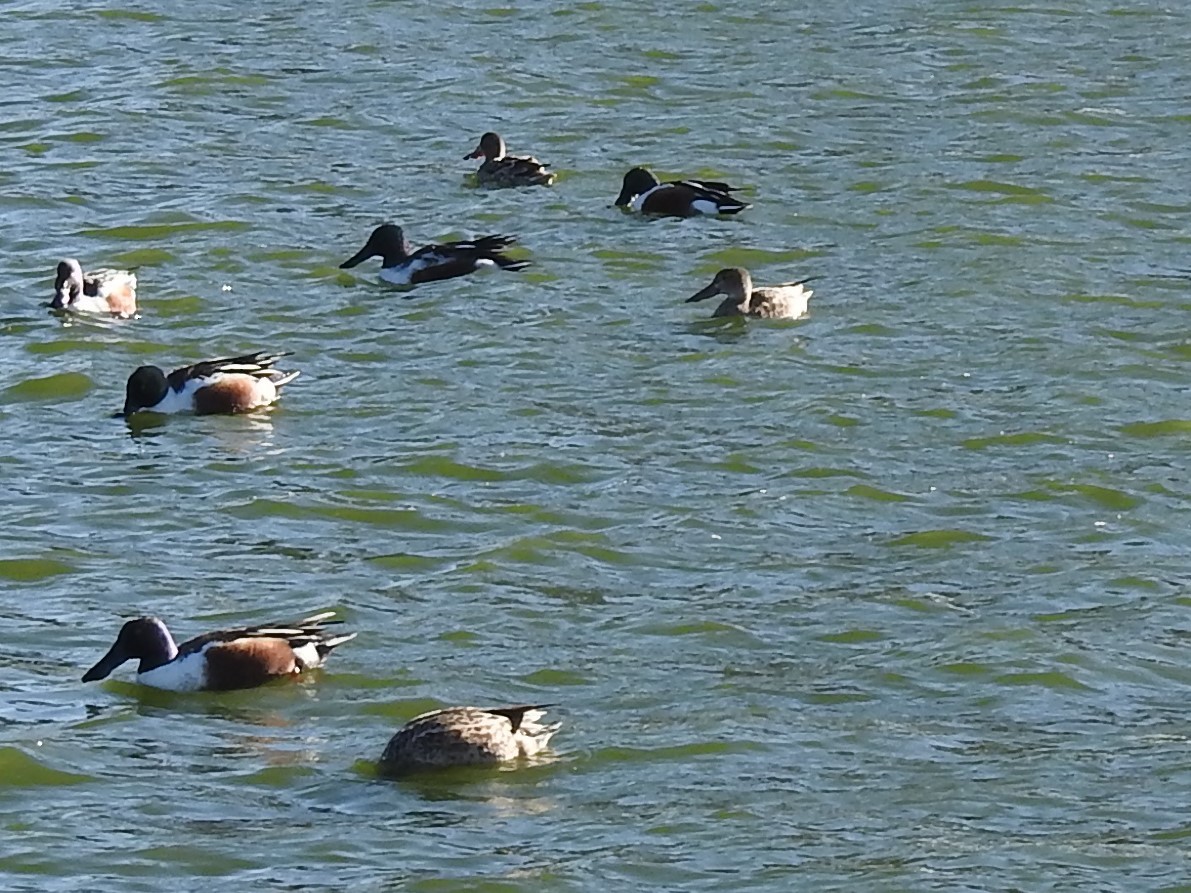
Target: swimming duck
(228, 385)
(99, 291)
(431, 262)
(785, 301)
(500, 170)
(222, 660)
(467, 736)
(643, 192)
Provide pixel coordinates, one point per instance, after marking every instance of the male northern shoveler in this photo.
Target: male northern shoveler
(99, 291)
(467, 736)
(500, 170)
(222, 660)
(431, 262)
(643, 192)
(228, 385)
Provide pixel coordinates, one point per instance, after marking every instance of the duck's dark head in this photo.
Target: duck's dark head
(68, 284)
(146, 386)
(735, 282)
(386, 242)
(491, 147)
(636, 182)
(145, 639)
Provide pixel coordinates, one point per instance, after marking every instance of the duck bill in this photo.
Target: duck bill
(359, 257)
(703, 294)
(624, 198)
(106, 665)
(61, 300)
(475, 153)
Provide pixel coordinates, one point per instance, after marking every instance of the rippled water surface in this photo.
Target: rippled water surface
(895, 597)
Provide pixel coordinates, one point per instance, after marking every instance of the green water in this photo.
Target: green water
(892, 598)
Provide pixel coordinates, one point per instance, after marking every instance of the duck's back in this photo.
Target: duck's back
(785, 301)
(514, 171)
(467, 736)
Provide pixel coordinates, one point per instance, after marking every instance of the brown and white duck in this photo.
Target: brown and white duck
(222, 660)
(97, 291)
(501, 170)
(225, 386)
(785, 301)
(467, 736)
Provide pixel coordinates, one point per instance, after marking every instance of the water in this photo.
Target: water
(891, 598)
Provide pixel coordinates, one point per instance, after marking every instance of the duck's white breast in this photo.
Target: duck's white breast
(639, 200)
(186, 674)
(183, 400)
(86, 303)
(400, 275)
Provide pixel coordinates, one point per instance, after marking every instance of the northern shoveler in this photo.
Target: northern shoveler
(99, 291)
(500, 170)
(785, 301)
(228, 385)
(467, 736)
(430, 263)
(221, 660)
(642, 191)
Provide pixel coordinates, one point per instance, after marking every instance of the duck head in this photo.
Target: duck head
(636, 182)
(68, 284)
(491, 147)
(735, 282)
(387, 242)
(145, 639)
(146, 386)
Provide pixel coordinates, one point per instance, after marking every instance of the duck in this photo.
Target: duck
(785, 301)
(642, 191)
(400, 266)
(222, 660)
(467, 736)
(500, 170)
(223, 386)
(99, 291)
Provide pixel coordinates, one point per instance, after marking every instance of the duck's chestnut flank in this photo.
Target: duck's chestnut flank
(227, 385)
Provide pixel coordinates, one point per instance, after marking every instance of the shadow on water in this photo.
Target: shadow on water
(447, 797)
(237, 433)
(142, 424)
(70, 319)
(724, 329)
(244, 706)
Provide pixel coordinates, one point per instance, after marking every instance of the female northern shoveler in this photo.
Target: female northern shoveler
(643, 192)
(467, 736)
(99, 291)
(500, 170)
(222, 660)
(228, 385)
(431, 262)
(785, 301)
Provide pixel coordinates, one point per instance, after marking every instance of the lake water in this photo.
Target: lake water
(895, 597)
